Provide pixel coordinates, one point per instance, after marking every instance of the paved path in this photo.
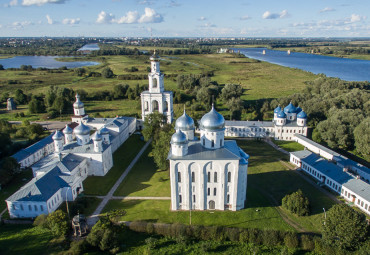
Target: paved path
(268, 140)
(95, 216)
(142, 198)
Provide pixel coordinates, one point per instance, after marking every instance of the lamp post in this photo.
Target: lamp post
(325, 215)
(67, 201)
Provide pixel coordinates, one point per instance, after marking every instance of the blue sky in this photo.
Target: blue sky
(185, 18)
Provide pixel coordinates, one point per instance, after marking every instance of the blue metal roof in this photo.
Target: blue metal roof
(24, 153)
(290, 108)
(327, 168)
(281, 114)
(277, 109)
(302, 115)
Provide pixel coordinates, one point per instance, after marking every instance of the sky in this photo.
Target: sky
(185, 18)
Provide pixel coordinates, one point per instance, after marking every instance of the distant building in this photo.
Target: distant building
(10, 104)
(206, 174)
(156, 99)
(287, 122)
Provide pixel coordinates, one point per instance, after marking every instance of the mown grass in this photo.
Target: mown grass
(288, 145)
(27, 240)
(145, 180)
(122, 157)
(267, 173)
(13, 186)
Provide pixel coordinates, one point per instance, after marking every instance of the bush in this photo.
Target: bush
(40, 221)
(77, 247)
(57, 222)
(297, 203)
(307, 243)
(291, 241)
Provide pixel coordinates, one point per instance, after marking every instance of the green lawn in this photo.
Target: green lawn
(74, 208)
(100, 185)
(8, 190)
(267, 173)
(27, 240)
(145, 180)
(288, 145)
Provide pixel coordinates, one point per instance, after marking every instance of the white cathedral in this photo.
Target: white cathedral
(210, 173)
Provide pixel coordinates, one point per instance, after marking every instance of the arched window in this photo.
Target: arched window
(209, 177)
(155, 82)
(213, 144)
(228, 199)
(215, 177)
(178, 176)
(214, 191)
(208, 191)
(228, 176)
(194, 198)
(180, 199)
(155, 105)
(146, 106)
(192, 177)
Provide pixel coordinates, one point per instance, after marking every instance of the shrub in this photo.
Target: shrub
(40, 221)
(297, 203)
(57, 222)
(77, 247)
(307, 243)
(291, 241)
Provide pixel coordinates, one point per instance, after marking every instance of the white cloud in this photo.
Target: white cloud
(245, 17)
(21, 24)
(41, 2)
(202, 18)
(11, 3)
(104, 17)
(208, 25)
(131, 17)
(327, 9)
(146, 2)
(67, 21)
(50, 20)
(150, 16)
(270, 15)
(356, 18)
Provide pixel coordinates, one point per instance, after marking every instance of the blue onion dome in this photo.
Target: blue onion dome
(184, 123)
(104, 131)
(178, 138)
(212, 121)
(58, 135)
(82, 129)
(78, 103)
(281, 114)
(298, 110)
(290, 108)
(67, 130)
(96, 136)
(302, 115)
(154, 57)
(277, 109)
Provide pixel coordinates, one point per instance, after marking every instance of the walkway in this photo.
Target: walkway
(95, 216)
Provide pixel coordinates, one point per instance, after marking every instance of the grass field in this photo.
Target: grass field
(288, 146)
(145, 180)
(100, 185)
(12, 187)
(27, 240)
(268, 182)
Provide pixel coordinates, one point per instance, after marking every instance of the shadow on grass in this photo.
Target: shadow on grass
(246, 221)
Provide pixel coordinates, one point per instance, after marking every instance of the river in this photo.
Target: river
(343, 68)
(42, 61)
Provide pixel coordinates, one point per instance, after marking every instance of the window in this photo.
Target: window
(208, 191)
(345, 193)
(215, 177)
(41, 208)
(358, 202)
(13, 206)
(180, 199)
(213, 144)
(228, 199)
(29, 207)
(220, 142)
(214, 191)
(365, 206)
(194, 198)
(209, 176)
(35, 206)
(204, 142)
(178, 176)
(22, 207)
(192, 177)
(362, 203)
(228, 176)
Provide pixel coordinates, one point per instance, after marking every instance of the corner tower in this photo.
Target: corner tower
(156, 99)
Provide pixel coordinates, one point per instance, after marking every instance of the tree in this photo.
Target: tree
(80, 71)
(152, 125)
(6, 143)
(362, 138)
(20, 97)
(161, 147)
(104, 234)
(344, 227)
(1, 67)
(8, 168)
(36, 105)
(57, 222)
(107, 73)
(297, 203)
(230, 91)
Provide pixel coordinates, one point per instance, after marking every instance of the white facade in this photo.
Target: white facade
(210, 174)
(156, 99)
(287, 122)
